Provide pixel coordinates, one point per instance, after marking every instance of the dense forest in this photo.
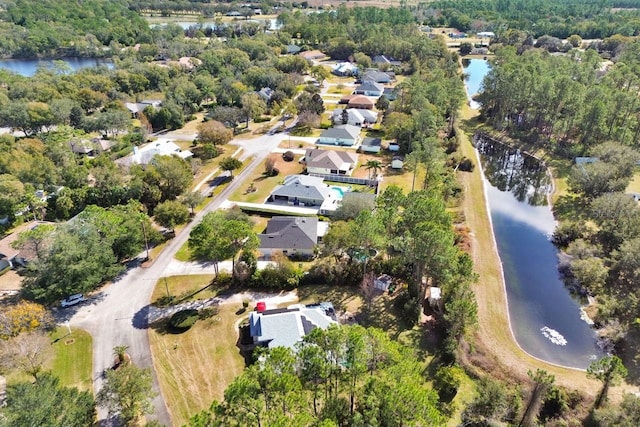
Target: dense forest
(567, 105)
(589, 19)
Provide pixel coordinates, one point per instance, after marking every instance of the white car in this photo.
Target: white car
(73, 300)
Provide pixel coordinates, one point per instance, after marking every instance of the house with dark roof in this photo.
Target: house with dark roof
(330, 162)
(291, 235)
(285, 327)
(369, 88)
(391, 93)
(346, 135)
(371, 145)
(377, 77)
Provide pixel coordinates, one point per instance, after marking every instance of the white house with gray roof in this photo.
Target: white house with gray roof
(369, 88)
(330, 162)
(305, 191)
(291, 235)
(347, 135)
(284, 327)
(355, 116)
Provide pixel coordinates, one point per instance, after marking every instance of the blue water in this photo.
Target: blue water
(28, 67)
(339, 192)
(546, 320)
(474, 70)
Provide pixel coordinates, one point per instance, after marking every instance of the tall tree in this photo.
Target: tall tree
(127, 391)
(46, 403)
(230, 164)
(610, 371)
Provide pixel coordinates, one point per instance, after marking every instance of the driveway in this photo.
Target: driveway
(118, 314)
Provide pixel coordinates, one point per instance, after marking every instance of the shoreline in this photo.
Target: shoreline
(490, 289)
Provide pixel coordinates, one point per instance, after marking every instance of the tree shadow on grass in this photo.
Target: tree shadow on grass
(570, 207)
(630, 354)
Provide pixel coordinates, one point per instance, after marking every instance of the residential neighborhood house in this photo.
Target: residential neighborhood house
(136, 108)
(312, 55)
(377, 77)
(292, 235)
(371, 145)
(369, 88)
(305, 191)
(383, 59)
(397, 162)
(355, 117)
(91, 147)
(357, 101)
(284, 327)
(345, 69)
(330, 162)
(347, 135)
(160, 147)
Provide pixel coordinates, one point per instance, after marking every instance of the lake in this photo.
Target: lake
(546, 320)
(474, 72)
(28, 67)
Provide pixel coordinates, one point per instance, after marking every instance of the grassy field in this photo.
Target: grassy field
(73, 358)
(263, 184)
(195, 367)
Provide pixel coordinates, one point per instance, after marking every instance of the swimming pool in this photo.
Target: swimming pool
(339, 192)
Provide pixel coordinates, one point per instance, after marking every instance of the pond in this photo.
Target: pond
(28, 67)
(474, 72)
(546, 320)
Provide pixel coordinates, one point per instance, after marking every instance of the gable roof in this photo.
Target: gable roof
(383, 59)
(161, 147)
(303, 189)
(370, 86)
(284, 327)
(356, 114)
(371, 142)
(285, 232)
(360, 100)
(341, 132)
(312, 54)
(329, 159)
(376, 76)
(293, 48)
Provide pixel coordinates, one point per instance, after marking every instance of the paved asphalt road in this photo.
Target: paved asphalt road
(118, 314)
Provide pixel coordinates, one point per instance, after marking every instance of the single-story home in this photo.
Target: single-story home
(291, 235)
(391, 93)
(284, 327)
(360, 102)
(160, 147)
(345, 69)
(371, 145)
(136, 108)
(91, 147)
(383, 59)
(328, 162)
(311, 55)
(369, 88)
(397, 162)
(377, 77)
(303, 190)
(488, 34)
(13, 257)
(355, 117)
(347, 135)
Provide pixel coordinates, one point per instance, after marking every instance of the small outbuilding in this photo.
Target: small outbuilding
(397, 162)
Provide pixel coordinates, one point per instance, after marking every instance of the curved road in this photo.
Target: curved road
(118, 314)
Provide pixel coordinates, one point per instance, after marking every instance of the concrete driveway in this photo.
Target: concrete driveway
(118, 314)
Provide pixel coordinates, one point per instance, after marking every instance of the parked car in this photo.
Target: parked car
(73, 300)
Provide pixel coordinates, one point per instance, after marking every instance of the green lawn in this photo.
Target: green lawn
(73, 357)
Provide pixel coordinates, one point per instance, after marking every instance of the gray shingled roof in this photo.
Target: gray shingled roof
(342, 132)
(286, 232)
(369, 86)
(328, 159)
(302, 192)
(371, 142)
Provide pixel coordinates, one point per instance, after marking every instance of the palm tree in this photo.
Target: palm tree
(373, 166)
(120, 351)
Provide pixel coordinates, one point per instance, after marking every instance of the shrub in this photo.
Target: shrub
(288, 156)
(184, 319)
(208, 312)
(447, 382)
(165, 300)
(466, 165)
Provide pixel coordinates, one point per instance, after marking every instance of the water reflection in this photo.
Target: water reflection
(509, 169)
